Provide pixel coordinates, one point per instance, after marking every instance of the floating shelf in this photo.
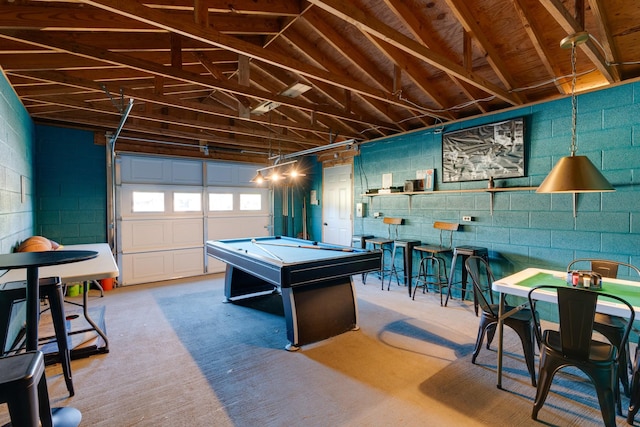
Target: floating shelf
(491, 192)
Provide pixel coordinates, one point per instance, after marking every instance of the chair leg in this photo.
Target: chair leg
(607, 400)
(43, 403)
(23, 410)
(491, 333)
(623, 370)
(614, 335)
(422, 278)
(393, 271)
(545, 377)
(634, 401)
(525, 333)
(485, 324)
(634, 392)
(441, 266)
(54, 293)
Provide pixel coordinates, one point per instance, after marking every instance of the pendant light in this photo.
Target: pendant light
(574, 174)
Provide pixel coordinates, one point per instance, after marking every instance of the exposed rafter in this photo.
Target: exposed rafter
(197, 70)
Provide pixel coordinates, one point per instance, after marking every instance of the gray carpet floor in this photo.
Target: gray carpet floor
(179, 356)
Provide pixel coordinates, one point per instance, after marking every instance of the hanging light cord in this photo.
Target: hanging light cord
(574, 100)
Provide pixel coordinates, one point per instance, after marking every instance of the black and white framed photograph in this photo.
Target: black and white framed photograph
(493, 150)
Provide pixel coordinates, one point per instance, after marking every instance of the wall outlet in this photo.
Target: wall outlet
(467, 218)
(376, 214)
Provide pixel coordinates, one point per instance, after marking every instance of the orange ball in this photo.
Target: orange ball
(35, 244)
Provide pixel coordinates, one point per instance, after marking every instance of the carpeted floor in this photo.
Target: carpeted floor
(179, 356)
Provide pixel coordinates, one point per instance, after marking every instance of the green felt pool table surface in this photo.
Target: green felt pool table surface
(290, 250)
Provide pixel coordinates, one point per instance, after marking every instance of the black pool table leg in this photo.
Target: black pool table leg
(319, 311)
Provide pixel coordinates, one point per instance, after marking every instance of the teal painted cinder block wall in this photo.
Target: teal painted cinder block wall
(71, 186)
(17, 216)
(527, 229)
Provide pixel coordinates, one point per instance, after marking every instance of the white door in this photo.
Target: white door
(337, 205)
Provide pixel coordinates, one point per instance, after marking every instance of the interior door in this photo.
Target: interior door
(337, 205)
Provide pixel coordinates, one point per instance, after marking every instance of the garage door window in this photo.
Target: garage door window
(187, 202)
(220, 202)
(146, 201)
(250, 202)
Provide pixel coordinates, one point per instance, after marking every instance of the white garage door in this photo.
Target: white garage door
(167, 208)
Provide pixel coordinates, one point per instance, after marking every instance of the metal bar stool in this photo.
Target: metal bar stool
(406, 245)
(51, 289)
(384, 244)
(464, 252)
(360, 242)
(23, 387)
(433, 266)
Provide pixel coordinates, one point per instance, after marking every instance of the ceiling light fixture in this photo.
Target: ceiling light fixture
(272, 173)
(574, 174)
(258, 179)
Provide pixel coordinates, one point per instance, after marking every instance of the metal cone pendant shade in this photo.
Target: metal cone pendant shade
(574, 174)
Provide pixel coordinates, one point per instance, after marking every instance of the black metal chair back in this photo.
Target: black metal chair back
(604, 267)
(573, 345)
(482, 279)
(612, 327)
(576, 310)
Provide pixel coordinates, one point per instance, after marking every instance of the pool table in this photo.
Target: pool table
(313, 278)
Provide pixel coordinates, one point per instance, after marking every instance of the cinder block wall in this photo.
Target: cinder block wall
(526, 229)
(16, 173)
(71, 186)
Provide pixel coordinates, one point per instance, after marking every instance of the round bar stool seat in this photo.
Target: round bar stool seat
(464, 252)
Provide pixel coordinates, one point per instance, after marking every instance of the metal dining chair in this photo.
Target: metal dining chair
(611, 327)
(573, 345)
(521, 321)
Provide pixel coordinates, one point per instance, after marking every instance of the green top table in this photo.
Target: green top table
(520, 283)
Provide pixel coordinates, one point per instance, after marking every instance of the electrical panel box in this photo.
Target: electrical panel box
(360, 210)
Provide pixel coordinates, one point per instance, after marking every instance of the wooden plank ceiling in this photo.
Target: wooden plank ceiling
(196, 71)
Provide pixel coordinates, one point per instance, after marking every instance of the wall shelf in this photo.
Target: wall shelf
(491, 191)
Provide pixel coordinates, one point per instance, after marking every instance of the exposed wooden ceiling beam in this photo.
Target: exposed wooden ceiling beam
(135, 10)
(359, 19)
(571, 26)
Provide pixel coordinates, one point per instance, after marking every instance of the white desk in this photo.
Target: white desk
(512, 285)
(101, 267)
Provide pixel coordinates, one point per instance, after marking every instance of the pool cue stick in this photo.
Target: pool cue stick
(309, 247)
(265, 249)
(305, 235)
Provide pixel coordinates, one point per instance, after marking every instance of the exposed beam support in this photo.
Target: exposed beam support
(572, 26)
(135, 10)
(357, 17)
